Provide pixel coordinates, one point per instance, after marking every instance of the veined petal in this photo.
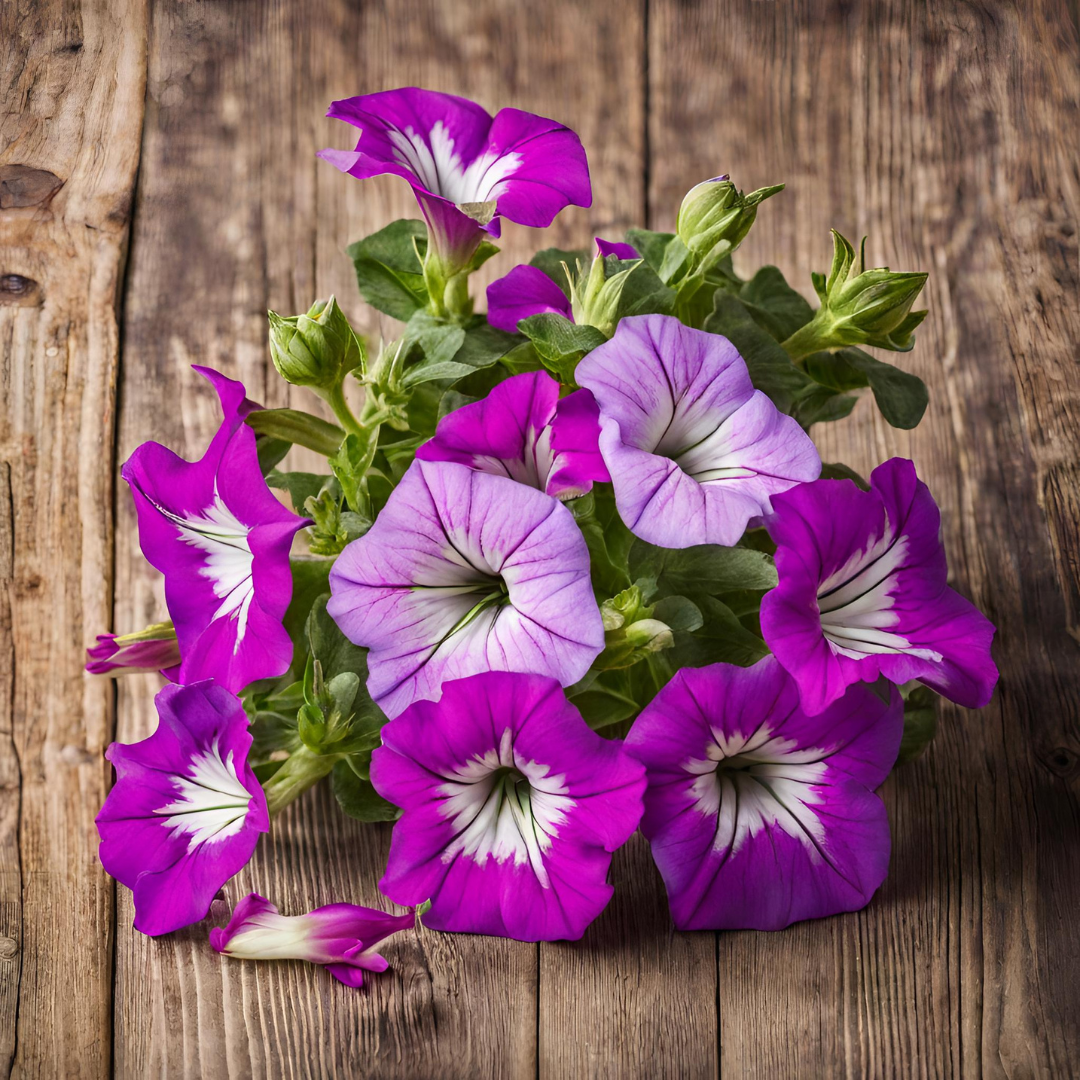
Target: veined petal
(464, 572)
(758, 814)
(693, 450)
(511, 808)
(186, 810)
(863, 593)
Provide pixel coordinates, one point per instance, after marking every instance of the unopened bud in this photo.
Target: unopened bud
(317, 349)
(715, 216)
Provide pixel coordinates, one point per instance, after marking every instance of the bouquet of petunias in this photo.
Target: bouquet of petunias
(571, 567)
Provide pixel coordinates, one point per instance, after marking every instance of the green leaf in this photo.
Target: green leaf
(560, 343)
(642, 292)
(436, 341)
(603, 699)
(270, 452)
(706, 568)
(310, 580)
(651, 246)
(300, 485)
(551, 261)
(771, 369)
(388, 268)
(774, 304)
(901, 396)
(334, 651)
(836, 471)
(722, 638)
(920, 721)
(358, 798)
(678, 613)
(822, 405)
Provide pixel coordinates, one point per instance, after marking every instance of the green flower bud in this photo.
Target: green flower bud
(595, 296)
(860, 306)
(317, 349)
(630, 631)
(651, 635)
(715, 217)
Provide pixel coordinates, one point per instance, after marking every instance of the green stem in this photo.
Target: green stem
(303, 770)
(334, 396)
(806, 340)
(297, 427)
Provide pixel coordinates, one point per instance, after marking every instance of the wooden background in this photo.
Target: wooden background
(191, 201)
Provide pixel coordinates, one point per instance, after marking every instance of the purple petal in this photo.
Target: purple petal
(186, 810)
(466, 572)
(511, 808)
(758, 814)
(694, 452)
(613, 247)
(525, 291)
(862, 593)
(222, 540)
(575, 444)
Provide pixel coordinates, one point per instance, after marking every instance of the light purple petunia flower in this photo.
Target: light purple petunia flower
(863, 592)
(466, 572)
(340, 937)
(152, 649)
(523, 430)
(466, 169)
(221, 538)
(694, 451)
(511, 806)
(186, 810)
(527, 290)
(758, 814)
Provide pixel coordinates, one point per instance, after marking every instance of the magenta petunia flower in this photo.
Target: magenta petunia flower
(467, 169)
(511, 806)
(527, 290)
(340, 937)
(466, 572)
(694, 451)
(863, 593)
(221, 538)
(186, 810)
(152, 649)
(523, 430)
(758, 814)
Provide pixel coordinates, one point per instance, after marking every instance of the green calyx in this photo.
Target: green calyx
(317, 349)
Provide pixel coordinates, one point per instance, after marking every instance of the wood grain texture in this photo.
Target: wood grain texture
(73, 78)
(948, 133)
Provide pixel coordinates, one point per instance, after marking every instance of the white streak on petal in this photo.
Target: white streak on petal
(211, 802)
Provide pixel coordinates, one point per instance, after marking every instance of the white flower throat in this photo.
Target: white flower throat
(211, 803)
(504, 807)
(759, 781)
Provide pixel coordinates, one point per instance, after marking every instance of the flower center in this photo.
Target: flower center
(504, 808)
(753, 782)
(211, 802)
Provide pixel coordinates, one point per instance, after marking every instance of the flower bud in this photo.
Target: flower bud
(651, 635)
(595, 297)
(715, 216)
(860, 306)
(152, 649)
(317, 349)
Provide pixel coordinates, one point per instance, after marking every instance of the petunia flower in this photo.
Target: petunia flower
(152, 649)
(465, 572)
(863, 592)
(694, 451)
(758, 814)
(340, 937)
(467, 169)
(186, 810)
(527, 290)
(523, 430)
(221, 538)
(511, 806)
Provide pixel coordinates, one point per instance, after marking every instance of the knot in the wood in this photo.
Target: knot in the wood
(9, 948)
(16, 284)
(20, 185)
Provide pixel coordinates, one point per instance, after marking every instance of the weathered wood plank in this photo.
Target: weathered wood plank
(948, 134)
(73, 77)
(234, 215)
